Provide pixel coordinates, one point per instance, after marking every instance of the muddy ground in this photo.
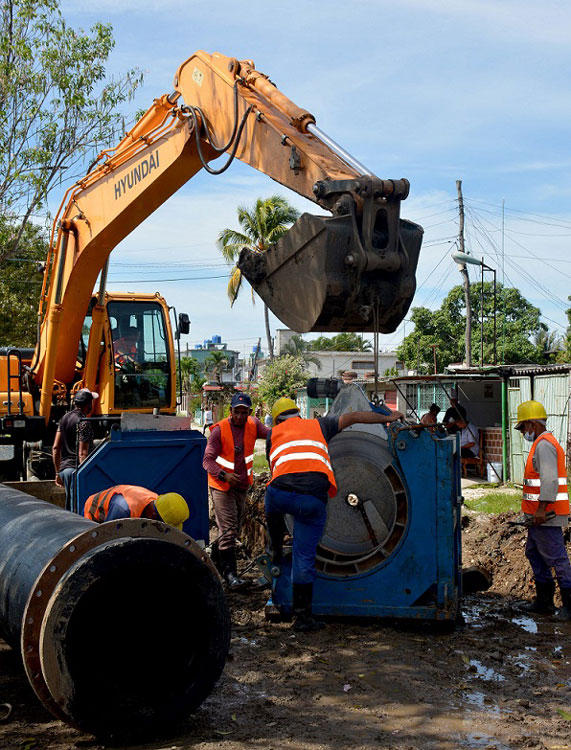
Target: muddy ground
(503, 680)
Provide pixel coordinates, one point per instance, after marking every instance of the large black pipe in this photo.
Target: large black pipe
(123, 626)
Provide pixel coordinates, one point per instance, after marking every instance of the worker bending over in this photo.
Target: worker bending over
(302, 480)
(545, 490)
(131, 501)
(229, 461)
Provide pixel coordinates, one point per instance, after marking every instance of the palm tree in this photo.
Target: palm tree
(297, 347)
(262, 226)
(548, 343)
(191, 371)
(216, 362)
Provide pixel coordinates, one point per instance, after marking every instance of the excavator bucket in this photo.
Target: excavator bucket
(323, 275)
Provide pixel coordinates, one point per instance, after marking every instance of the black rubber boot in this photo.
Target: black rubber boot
(303, 620)
(228, 558)
(543, 602)
(276, 530)
(565, 612)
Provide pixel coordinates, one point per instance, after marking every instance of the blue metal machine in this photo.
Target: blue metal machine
(392, 542)
(160, 453)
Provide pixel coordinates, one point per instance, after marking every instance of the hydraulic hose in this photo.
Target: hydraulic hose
(123, 626)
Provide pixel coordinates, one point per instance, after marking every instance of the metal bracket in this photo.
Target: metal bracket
(295, 160)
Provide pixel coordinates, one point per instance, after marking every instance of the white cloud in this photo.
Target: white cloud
(471, 89)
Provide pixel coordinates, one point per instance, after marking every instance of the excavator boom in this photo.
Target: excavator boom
(353, 271)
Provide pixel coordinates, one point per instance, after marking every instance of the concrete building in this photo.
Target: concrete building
(231, 372)
(333, 364)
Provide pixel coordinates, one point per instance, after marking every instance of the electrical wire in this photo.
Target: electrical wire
(433, 270)
(555, 221)
(536, 284)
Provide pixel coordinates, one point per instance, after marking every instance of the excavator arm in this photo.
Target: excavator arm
(352, 271)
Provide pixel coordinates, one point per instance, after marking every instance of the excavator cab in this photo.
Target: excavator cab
(353, 271)
(137, 357)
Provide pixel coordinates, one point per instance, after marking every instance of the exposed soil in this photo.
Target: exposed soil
(500, 681)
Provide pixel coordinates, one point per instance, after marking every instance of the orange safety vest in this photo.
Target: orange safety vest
(125, 351)
(532, 482)
(226, 458)
(137, 498)
(298, 446)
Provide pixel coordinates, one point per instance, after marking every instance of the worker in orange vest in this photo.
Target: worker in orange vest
(131, 501)
(545, 491)
(302, 480)
(229, 461)
(125, 349)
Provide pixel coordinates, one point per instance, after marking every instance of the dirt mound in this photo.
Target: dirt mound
(488, 541)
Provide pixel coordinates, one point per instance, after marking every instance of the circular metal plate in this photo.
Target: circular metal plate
(369, 514)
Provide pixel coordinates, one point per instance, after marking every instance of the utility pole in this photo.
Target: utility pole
(434, 357)
(466, 278)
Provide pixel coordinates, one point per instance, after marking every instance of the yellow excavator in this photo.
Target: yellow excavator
(351, 271)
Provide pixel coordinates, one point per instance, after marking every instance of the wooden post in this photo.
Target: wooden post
(464, 272)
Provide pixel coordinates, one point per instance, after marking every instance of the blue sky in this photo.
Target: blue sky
(471, 90)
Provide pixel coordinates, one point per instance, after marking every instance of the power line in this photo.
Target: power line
(164, 281)
(555, 221)
(433, 270)
(547, 293)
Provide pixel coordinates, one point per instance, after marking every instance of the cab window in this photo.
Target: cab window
(141, 355)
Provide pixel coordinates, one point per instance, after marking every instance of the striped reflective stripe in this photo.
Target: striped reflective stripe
(532, 482)
(535, 498)
(297, 444)
(248, 459)
(97, 508)
(535, 490)
(301, 457)
(223, 462)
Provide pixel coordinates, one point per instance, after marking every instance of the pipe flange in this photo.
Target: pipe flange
(58, 566)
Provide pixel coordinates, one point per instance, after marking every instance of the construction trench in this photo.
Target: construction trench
(501, 680)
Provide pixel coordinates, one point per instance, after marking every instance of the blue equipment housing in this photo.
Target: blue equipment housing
(161, 461)
(392, 543)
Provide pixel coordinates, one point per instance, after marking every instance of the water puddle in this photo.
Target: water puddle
(478, 700)
(245, 642)
(486, 673)
(474, 739)
(526, 623)
(523, 660)
(474, 616)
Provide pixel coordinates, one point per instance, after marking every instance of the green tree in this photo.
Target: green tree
(444, 329)
(341, 342)
(282, 377)
(262, 226)
(192, 379)
(216, 362)
(297, 347)
(548, 345)
(56, 106)
(565, 353)
(21, 284)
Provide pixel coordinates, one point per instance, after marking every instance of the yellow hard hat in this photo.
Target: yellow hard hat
(172, 509)
(281, 405)
(529, 410)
